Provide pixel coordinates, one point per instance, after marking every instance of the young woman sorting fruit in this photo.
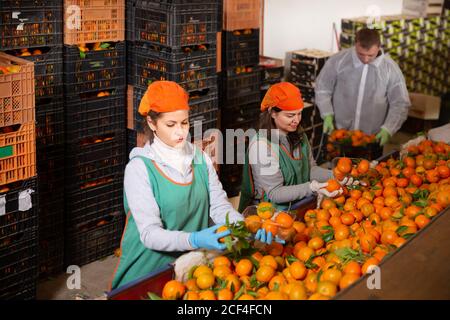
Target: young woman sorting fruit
(171, 189)
(279, 166)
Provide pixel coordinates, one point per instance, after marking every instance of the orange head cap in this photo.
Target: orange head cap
(283, 95)
(164, 96)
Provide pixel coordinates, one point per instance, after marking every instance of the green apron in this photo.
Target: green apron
(183, 207)
(294, 171)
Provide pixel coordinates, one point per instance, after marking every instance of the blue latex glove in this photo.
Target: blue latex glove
(267, 238)
(383, 136)
(208, 238)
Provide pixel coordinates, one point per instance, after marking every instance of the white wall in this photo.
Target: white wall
(299, 24)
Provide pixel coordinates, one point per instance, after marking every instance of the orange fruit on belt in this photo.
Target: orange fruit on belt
(284, 220)
(222, 229)
(344, 165)
(333, 185)
(265, 210)
(173, 290)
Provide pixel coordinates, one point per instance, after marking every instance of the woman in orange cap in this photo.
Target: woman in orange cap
(279, 166)
(171, 189)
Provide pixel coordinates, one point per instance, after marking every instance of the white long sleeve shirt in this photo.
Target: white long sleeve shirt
(363, 96)
(144, 207)
(272, 183)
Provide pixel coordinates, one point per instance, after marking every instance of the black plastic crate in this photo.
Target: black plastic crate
(51, 207)
(371, 151)
(95, 202)
(129, 22)
(55, 94)
(16, 222)
(110, 57)
(97, 116)
(94, 70)
(317, 136)
(244, 100)
(208, 121)
(319, 155)
(51, 256)
(50, 164)
(317, 118)
(272, 75)
(193, 73)
(131, 140)
(203, 115)
(308, 93)
(30, 4)
(138, 93)
(203, 105)
(220, 16)
(19, 268)
(199, 101)
(50, 169)
(304, 70)
(93, 162)
(302, 60)
(244, 113)
(173, 23)
(50, 126)
(130, 62)
(35, 25)
(93, 241)
(242, 85)
(48, 69)
(231, 178)
(51, 219)
(307, 117)
(240, 48)
(248, 127)
(165, 53)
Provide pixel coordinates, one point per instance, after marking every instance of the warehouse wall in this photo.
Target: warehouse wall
(297, 24)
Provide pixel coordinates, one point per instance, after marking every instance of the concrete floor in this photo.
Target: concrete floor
(96, 276)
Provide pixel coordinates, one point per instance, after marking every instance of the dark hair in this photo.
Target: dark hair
(367, 38)
(267, 122)
(145, 127)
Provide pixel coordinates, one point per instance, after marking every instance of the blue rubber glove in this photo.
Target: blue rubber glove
(208, 238)
(267, 238)
(328, 125)
(383, 136)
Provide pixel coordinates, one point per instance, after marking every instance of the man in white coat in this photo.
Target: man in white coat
(362, 88)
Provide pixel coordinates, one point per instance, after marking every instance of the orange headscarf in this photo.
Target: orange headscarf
(283, 95)
(164, 96)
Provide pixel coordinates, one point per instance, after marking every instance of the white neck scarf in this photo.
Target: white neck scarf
(174, 157)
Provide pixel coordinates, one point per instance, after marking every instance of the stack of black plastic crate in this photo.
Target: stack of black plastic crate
(173, 40)
(305, 68)
(32, 30)
(240, 98)
(272, 72)
(19, 241)
(94, 85)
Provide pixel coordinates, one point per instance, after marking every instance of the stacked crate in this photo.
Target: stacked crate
(418, 45)
(94, 93)
(32, 30)
(173, 40)
(18, 189)
(240, 82)
(272, 72)
(305, 68)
